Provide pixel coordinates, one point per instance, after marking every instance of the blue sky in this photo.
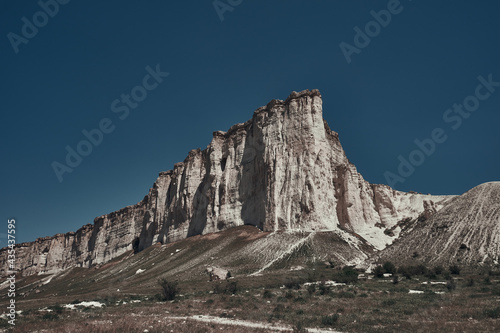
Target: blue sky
(396, 89)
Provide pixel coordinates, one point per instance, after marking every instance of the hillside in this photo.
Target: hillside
(465, 232)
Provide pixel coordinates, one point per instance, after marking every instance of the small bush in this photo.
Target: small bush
(169, 289)
(395, 279)
(56, 308)
(299, 327)
(267, 294)
(346, 275)
(389, 267)
(420, 270)
(4, 323)
(454, 269)
(324, 289)
(330, 320)
(469, 282)
(300, 300)
(493, 313)
(409, 271)
(345, 294)
(50, 316)
(379, 271)
(232, 287)
(438, 270)
(405, 271)
(279, 308)
(292, 284)
(450, 284)
(388, 302)
(229, 287)
(431, 274)
(311, 289)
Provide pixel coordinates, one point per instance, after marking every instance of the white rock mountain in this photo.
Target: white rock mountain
(282, 170)
(465, 232)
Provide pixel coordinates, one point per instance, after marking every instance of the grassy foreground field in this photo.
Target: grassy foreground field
(282, 300)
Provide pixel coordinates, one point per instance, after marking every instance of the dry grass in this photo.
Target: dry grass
(375, 305)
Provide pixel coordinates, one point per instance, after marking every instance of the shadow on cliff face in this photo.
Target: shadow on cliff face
(252, 190)
(147, 233)
(98, 223)
(200, 204)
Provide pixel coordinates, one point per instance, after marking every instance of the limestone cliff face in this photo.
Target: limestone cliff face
(282, 170)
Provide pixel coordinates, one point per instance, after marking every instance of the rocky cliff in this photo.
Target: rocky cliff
(465, 232)
(284, 169)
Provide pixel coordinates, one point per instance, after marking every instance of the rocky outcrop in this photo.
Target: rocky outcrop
(465, 232)
(217, 273)
(284, 169)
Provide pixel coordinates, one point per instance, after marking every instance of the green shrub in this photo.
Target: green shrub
(311, 289)
(324, 289)
(300, 300)
(228, 287)
(450, 284)
(438, 270)
(388, 302)
(431, 274)
(330, 320)
(454, 269)
(267, 294)
(232, 287)
(345, 294)
(379, 271)
(4, 323)
(169, 289)
(420, 270)
(405, 271)
(299, 327)
(56, 308)
(389, 267)
(346, 275)
(50, 316)
(292, 284)
(409, 271)
(492, 313)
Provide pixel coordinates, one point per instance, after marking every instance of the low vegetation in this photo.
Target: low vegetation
(169, 289)
(405, 299)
